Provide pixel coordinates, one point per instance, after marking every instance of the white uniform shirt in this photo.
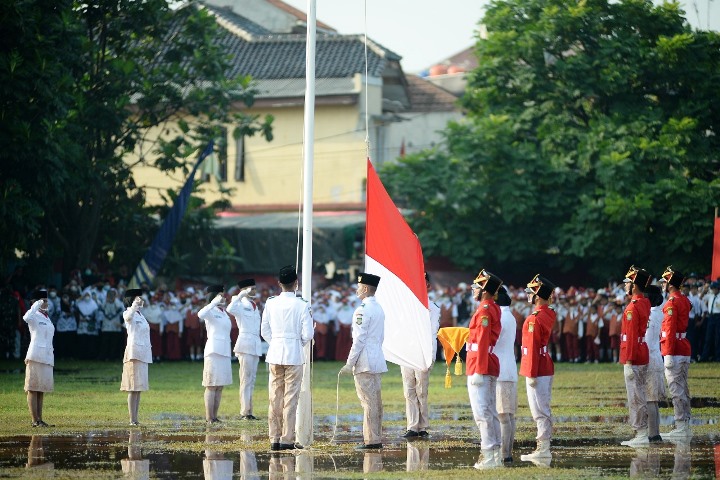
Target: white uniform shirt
(434, 309)
(41, 335)
(247, 318)
(218, 325)
(138, 339)
(287, 326)
(712, 303)
(368, 334)
(652, 338)
(505, 346)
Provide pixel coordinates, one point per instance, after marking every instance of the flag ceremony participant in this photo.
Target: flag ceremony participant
(483, 367)
(217, 371)
(536, 365)
(40, 358)
(138, 352)
(634, 355)
(416, 382)
(247, 346)
(287, 327)
(675, 346)
(506, 389)
(366, 359)
(655, 384)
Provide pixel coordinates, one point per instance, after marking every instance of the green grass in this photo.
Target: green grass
(87, 398)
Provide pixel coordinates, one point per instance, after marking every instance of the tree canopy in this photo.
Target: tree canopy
(85, 85)
(590, 143)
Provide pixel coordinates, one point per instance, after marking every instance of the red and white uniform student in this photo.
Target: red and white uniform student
(40, 358)
(483, 367)
(675, 346)
(536, 364)
(248, 347)
(634, 353)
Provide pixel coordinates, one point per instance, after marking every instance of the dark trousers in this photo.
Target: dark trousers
(712, 338)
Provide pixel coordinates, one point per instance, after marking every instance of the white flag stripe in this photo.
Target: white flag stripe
(408, 341)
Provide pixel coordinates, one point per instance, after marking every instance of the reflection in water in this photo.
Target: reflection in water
(645, 463)
(134, 466)
(281, 465)
(417, 458)
(248, 462)
(540, 462)
(681, 468)
(372, 462)
(36, 456)
(215, 465)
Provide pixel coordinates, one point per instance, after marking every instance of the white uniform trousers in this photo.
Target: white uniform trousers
(539, 398)
(418, 458)
(482, 402)
(637, 398)
(284, 388)
(368, 388)
(415, 388)
(677, 379)
(247, 370)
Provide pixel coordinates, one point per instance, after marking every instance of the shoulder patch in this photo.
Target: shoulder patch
(485, 321)
(669, 311)
(628, 316)
(358, 319)
(531, 327)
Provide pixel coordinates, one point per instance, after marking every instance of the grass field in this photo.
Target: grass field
(588, 406)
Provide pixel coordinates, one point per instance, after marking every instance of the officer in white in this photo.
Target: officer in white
(416, 382)
(217, 371)
(506, 389)
(40, 358)
(366, 360)
(247, 346)
(287, 327)
(655, 381)
(138, 353)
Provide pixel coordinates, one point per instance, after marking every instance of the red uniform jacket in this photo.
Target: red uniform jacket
(535, 360)
(484, 331)
(676, 314)
(633, 348)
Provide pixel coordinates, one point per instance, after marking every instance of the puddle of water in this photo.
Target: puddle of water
(131, 454)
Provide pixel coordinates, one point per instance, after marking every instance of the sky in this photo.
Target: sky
(425, 32)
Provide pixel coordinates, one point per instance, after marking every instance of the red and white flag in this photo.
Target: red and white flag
(393, 252)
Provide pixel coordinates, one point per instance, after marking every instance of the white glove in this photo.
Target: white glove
(244, 292)
(346, 369)
(628, 371)
(532, 381)
(476, 379)
(217, 300)
(137, 303)
(597, 341)
(36, 306)
(669, 362)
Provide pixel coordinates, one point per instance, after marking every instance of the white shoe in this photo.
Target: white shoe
(640, 439)
(488, 460)
(681, 430)
(542, 452)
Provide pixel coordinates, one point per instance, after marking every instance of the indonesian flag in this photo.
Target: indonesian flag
(716, 251)
(393, 252)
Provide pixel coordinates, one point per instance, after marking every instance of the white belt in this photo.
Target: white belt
(677, 335)
(543, 350)
(640, 339)
(473, 347)
(288, 337)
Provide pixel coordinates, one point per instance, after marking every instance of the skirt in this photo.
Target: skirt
(134, 376)
(38, 377)
(216, 371)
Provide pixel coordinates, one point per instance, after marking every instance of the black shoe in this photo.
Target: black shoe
(291, 446)
(134, 424)
(508, 460)
(424, 434)
(40, 423)
(411, 434)
(655, 439)
(372, 446)
(215, 420)
(274, 447)
(35, 424)
(250, 417)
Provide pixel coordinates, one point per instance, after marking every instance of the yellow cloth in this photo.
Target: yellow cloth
(452, 339)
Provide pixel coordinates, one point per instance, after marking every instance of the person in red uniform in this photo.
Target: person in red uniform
(536, 364)
(675, 347)
(634, 354)
(483, 368)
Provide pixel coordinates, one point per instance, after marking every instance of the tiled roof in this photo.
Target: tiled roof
(299, 14)
(428, 97)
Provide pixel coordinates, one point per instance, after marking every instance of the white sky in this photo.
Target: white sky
(425, 32)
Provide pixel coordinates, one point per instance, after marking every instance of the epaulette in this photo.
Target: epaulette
(634, 301)
(485, 305)
(535, 313)
(438, 306)
(551, 307)
(272, 296)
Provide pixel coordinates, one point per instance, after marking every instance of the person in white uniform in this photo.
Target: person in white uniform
(138, 352)
(40, 358)
(416, 382)
(506, 390)
(247, 346)
(217, 371)
(366, 360)
(655, 381)
(287, 326)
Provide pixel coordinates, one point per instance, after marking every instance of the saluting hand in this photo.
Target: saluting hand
(346, 369)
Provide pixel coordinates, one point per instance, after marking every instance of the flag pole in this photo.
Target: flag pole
(304, 429)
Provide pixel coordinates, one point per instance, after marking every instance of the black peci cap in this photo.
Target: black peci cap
(215, 289)
(247, 282)
(133, 292)
(287, 274)
(368, 279)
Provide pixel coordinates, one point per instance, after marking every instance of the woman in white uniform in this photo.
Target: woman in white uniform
(40, 358)
(217, 371)
(138, 353)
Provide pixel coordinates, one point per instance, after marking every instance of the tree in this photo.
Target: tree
(591, 142)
